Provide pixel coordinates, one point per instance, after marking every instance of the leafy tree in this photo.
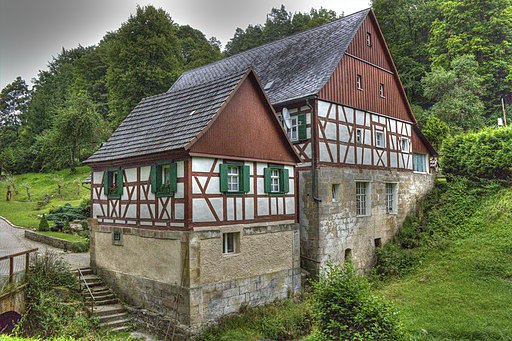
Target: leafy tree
(13, 103)
(196, 50)
(76, 126)
(436, 131)
(482, 28)
(279, 24)
(144, 60)
(456, 93)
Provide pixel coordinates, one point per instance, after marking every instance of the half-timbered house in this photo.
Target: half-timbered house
(364, 160)
(194, 202)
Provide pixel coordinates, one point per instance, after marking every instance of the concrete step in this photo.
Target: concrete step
(121, 329)
(106, 310)
(94, 283)
(99, 289)
(102, 297)
(115, 323)
(106, 302)
(86, 271)
(113, 317)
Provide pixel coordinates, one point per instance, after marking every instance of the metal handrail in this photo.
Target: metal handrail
(80, 279)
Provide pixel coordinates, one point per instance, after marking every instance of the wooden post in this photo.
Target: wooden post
(27, 263)
(11, 269)
(504, 115)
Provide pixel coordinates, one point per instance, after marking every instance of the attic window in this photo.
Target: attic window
(359, 82)
(268, 85)
(381, 90)
(368, 39)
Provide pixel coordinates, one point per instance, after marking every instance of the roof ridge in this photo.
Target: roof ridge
(316, 28)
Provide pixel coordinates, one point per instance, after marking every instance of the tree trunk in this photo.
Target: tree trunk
(28, 195)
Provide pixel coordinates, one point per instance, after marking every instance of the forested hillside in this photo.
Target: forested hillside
(454, 58)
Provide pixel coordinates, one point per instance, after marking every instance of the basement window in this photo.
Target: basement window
(230, 243)
(335, 192)
(117, 238)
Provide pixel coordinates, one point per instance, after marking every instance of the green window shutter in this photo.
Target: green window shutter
(224, 177)
(152, 176)
(246, 174)
(173, 176)
(120, 181)
(302, 127)
(266, 173)
(106, 182)
(285, 180)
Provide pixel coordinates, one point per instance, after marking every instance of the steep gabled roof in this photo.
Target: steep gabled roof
(168, 121)
(298, 65)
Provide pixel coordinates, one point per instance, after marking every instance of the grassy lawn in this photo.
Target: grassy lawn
(66, 236)
(464, 290)
(23, 213)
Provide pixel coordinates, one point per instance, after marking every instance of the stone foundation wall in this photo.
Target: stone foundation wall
(328, 228)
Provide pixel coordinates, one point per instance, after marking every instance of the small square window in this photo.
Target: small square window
(380, 140)
(117, 238)
(368, 39)
(230, 243)
(359, 136)
(359, 82)
(381, 90)
(335, 192)
(404, 144)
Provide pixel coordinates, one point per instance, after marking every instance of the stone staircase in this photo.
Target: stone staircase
(107, 308)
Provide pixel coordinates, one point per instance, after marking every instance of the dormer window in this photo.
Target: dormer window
(381, 90)
(359, 82)
(368, 39)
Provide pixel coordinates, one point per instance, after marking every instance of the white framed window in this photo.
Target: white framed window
(381, 90)
(359, 82)
(420, 163)
(391, 198)
(404, 144)
(368, 39)
(362, 198)
(293, 132)
(380, 138)
(166, 174)
(230, 242)
(335, 192)
(233, 179)
(359, 135)
(275, 185)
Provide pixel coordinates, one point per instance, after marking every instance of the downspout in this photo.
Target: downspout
(314, 172)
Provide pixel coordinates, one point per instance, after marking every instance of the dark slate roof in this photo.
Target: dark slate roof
(168, 121)
(298, 65)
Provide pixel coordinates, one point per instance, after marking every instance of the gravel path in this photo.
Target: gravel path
(13, 240)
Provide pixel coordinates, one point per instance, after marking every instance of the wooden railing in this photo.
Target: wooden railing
(11, 261)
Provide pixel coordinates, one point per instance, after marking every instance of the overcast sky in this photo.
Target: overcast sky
(32, 31)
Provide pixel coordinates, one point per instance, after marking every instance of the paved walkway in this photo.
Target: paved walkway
(13, 240)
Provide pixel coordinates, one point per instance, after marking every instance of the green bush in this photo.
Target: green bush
(483, 155)
(79, 247)
(67, 212)
(344, 308)
(66, 228)
(43, 224)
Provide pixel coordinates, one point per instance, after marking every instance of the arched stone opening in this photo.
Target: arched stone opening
(8, 321)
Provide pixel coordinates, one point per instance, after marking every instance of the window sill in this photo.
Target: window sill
(392, 213)
(114, 196)
(383, 97)
(417, 172)
(363, 216)
(380, 147)
(360, 89)
(164, 195)
(231, 254)
(234, 194)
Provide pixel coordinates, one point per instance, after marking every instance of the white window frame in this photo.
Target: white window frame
(381, 90)
(359, 135)
(293, 132)
(275, 182)
(335, 188)
(424, 156)
(166, 174)
(230, 243)
(233, 179)
(391, 197)
(404, 148)
(368, 39)
(382, 143)
(363, 198)
(359, 82)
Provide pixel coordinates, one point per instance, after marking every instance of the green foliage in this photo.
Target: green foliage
(456, 92)
(144, 59)
(195, 48)
(284, 320)
(67, 213)
(344, 307)
(14, 99)
(79, 247)
(43, 224)
(279, 24)
(483, 155)
(436, 131)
